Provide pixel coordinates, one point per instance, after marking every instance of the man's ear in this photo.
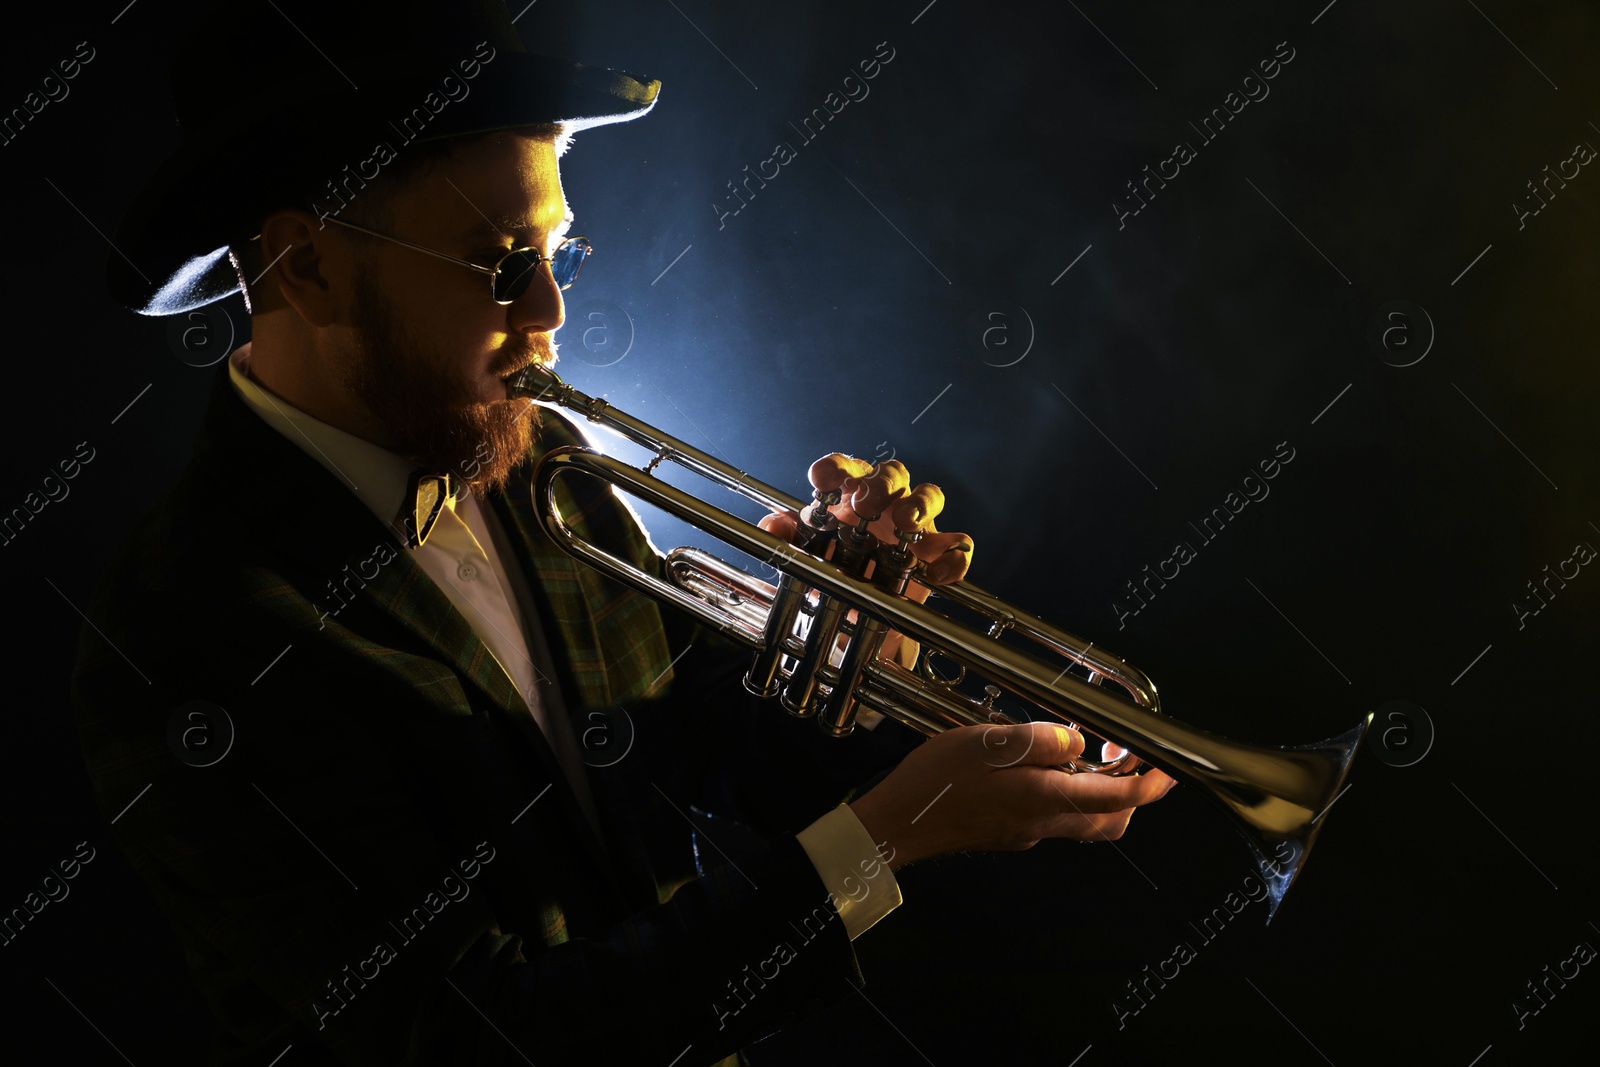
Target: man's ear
(310, 268)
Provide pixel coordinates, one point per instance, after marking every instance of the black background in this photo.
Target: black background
(1176, 353)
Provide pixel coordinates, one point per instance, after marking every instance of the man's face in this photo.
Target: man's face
(431, 349)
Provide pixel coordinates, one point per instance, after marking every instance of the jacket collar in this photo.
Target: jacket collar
(377, 476)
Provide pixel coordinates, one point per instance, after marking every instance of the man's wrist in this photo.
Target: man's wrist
(897, 849)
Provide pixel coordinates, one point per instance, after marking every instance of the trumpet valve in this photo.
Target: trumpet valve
(901, 552)
(762, 678)
(896, 563)
(817, 516)
(817, 525)
(856, 548)
(838, 717)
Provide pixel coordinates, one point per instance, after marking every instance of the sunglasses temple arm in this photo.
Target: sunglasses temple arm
(417, 248)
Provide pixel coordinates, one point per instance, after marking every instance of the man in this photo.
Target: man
(402, 845)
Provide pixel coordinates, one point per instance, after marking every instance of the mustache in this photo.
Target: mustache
(514, 357)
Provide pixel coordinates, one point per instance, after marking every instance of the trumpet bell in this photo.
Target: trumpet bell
(1279, 828)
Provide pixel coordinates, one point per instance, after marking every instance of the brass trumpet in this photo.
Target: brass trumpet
(819, 662)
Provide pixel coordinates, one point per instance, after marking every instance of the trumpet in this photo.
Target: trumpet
(816, 637)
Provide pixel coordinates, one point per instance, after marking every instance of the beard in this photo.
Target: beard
(434, 414)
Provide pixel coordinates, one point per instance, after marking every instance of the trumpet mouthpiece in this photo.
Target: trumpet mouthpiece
(536, 381)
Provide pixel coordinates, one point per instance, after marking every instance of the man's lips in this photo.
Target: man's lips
(509, 377)
(524, 364)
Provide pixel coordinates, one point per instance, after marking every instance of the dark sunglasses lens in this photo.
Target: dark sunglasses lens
(568, 260)
(515, 273)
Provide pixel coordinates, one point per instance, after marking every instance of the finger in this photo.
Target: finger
(831, 471)
(870, 495)
(1087, 829)
(780, 524)
(935, 544)
(918, 509)
(1107, 827)
(945, 557)
(1099, 794)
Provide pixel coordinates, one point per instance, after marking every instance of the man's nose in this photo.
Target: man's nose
(540, 308)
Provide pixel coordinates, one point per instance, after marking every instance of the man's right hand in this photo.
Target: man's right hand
(998, 788)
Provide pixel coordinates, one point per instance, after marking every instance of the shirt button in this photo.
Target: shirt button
(467, 572)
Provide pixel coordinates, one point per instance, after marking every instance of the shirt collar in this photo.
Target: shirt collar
(377, 476)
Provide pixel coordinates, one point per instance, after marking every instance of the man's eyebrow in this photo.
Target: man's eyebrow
(509, 224)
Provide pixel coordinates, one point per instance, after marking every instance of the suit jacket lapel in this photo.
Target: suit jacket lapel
(612, 647)
(310, 516)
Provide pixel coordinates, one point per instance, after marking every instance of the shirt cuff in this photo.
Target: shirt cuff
(860, 884)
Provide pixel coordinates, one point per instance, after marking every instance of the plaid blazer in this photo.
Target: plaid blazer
(388, 866)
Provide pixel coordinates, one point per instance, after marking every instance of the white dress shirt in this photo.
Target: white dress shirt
(468, 555)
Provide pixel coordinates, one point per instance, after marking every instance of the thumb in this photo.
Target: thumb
(1036, 744)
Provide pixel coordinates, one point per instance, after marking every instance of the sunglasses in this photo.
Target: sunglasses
(511, 275)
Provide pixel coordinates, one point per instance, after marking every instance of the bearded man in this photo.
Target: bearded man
(337, 691)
